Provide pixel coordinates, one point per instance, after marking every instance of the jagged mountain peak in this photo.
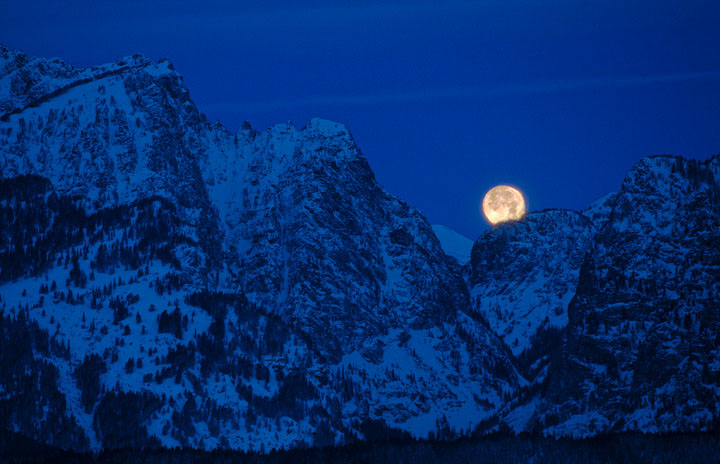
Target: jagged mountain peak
(270, 269)
(287, 297)
(539, 219)
(27, 82)
(329, 137)
(327, 128)
(659, 174)
(11, 59)
(19, 59)
(533, 226)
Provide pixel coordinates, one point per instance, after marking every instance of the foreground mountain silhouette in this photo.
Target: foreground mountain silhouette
(166, 282)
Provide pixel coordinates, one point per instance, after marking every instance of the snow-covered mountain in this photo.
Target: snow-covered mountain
(523, 275)
(639, 349)
(246, 290)
(643, 340)
(164, 281)
(454, 244)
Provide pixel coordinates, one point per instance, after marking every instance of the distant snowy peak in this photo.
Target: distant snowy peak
(454, 244)
(599, 211)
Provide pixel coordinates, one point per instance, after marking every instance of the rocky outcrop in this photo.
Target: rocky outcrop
(640, 351)
(523, 275)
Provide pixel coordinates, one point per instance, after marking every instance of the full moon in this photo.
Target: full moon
(503, 203)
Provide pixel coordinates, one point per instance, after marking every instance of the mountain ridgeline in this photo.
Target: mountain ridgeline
(165, 282)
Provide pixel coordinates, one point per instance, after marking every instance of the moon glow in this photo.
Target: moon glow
(503, 203)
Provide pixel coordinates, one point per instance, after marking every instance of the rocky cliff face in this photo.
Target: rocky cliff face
(642, 342)
(639, 348)
(110, 135)
(317, 239)
(523, 276)
(240, 290)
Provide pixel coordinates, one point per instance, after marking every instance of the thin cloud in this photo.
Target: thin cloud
(475, 92)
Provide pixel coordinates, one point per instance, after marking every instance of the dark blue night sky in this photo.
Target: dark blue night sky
(446, 99)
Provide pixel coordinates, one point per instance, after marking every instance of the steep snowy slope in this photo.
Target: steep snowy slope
(455, 245)
(599, 211)
(109, 135)
(247, 290)
(523, 274)
(321, 243)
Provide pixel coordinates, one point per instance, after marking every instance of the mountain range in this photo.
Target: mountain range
(167, 282)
